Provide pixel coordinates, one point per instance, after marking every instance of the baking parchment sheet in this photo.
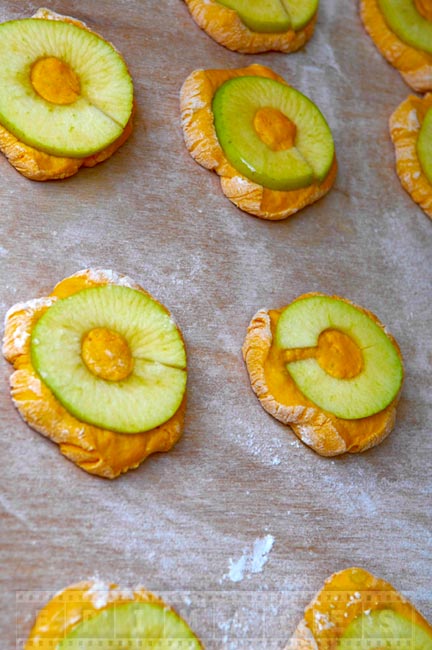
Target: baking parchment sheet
(240, 524)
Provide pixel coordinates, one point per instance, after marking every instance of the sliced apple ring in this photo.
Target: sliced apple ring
(410, 130)
(90, 614)
(401, 30)
(273, 348)
(102, 362)
(255, 26)
(357, 611)
(66, 97)
(262, 151)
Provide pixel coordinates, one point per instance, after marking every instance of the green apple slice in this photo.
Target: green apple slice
(380, 378)
(93, 118)
(132, 626)
(273, 16)
(384, 628)
(424, 145)
(235, 105)
(407, 23)
(152, 387)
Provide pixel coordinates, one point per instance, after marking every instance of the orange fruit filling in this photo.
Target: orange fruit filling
(55, 81)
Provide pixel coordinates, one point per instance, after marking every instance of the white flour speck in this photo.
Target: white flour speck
(251, 561)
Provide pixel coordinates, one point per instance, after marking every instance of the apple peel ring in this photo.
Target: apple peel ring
(304, 352)
(407, 123)
(355, 609)
(90, 613)
(271, 127)
(122, 396)
(413, 63)
(52, 86)
(225, 26)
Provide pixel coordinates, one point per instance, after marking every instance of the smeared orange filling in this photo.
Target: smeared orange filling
(107, 354)
(336, 353)
(349, 594)
(405, 125)
(55, 81)
(341, 357)
(201, 140)
(274, 128)
(97, 451)
(424, 7)
(414, 64)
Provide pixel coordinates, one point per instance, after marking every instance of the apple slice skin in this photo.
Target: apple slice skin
(348, 597)
(414, 65)
(58, 622)
(225, 26)
(265, 16)
(93, 122)
(370, 392)
(406, 22)
(234, 106)
(424, 146)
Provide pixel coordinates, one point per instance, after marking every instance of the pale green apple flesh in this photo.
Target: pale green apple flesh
(381, 374)
(424, 145)
(235, 106)
(93, 116)
(143, 347)
(384, 629)
(407, 23)
(132, 626)
(273, 16)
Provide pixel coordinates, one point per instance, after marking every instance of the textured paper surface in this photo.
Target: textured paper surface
(239, 497)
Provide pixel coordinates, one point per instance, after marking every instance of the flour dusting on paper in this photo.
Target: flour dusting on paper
(252, 561)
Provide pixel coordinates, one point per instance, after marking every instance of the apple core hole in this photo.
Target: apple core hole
(55, 81)
(274, 128)
(107, 354)
(338, 355)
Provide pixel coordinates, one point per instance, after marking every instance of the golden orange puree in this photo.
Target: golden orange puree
(107, 354)
(274, 128)
(336, 353)
(55, 81)
(424, 7)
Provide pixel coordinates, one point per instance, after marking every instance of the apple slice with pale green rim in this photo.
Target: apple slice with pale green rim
(407, 23)
(384, 628)
(377, 368)
(113, 357)
(63, 90)
(424, 145)
(132, 626)
(271, 133)
(273, 16)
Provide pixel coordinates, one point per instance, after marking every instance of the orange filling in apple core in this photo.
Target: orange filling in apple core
(424, 7)
(336, 352)
(107, 354)
(55, 81)
(274, 128)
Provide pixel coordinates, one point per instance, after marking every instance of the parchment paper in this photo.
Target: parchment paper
(241, 523)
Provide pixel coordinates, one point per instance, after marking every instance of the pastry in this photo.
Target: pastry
(66, 96)
(327, 368)
(100, 369)
(356, 610)
(411, 132)
(402, 31)
(270, 145)
(252, 26)
(93, 614)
